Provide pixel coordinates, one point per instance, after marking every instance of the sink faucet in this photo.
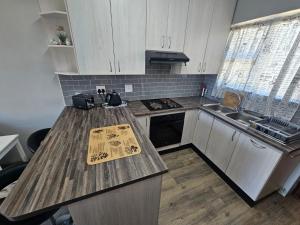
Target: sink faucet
(238, 107)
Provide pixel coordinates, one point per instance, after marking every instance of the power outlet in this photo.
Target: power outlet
(128, 88)
(101, 88)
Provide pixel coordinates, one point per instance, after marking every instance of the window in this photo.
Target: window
(291, 71)
(240, 57)
(262, 59)
(296, 94)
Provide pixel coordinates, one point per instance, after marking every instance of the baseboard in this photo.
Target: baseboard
(182, 147)
(221, 174)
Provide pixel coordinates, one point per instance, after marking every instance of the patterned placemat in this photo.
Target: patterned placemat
(110, 143)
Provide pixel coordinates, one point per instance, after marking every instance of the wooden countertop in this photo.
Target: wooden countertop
(58, 173)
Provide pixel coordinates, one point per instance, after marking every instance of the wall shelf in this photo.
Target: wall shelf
(54, 14)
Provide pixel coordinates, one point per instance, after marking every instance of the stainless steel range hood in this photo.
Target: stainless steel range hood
(166, 57)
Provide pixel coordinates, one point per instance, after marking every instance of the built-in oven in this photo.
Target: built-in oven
(166, 129)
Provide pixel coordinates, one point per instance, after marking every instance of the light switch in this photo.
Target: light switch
(128, 88)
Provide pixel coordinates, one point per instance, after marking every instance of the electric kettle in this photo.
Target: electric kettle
(113, 99)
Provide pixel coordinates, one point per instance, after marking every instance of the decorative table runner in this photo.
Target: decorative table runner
(110, 143)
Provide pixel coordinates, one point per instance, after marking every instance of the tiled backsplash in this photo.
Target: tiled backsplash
(157, 83)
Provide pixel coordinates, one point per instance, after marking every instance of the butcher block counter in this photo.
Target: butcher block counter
(58, 174)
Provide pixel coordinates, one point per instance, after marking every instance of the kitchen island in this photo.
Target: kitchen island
(124, 191)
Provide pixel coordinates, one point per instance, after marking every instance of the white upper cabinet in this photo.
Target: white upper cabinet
(166, 24)
(129, 32)
(109, 35)
(197, 31)
(92, 35)
(157, 24)
(178, 13)
(221, 144)
(219, 30)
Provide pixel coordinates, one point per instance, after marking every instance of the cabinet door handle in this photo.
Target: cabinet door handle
(162, 41)
(233, 135)
(257, 145)
(110, 67)
(170, 42)
(119, 66)
(199, 115)
(204, 67)
(199, 67)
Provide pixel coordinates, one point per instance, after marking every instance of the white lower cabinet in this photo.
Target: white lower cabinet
(252, 165)
(190, 121)
(144, 121)
(221, 144)
(202, 130)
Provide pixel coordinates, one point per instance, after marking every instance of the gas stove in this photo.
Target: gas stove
(160, 104)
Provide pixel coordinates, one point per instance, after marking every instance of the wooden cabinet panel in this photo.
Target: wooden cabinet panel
(157, 24)
(221, 144)
(166, 24)
(252, 164)
(129, 32)
(202, 130)
(178, 13)
(92, 33)
(190, 121)
(144, 121)
(218, 34)
(197, 31)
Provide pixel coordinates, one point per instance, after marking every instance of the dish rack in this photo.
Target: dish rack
(280, 129)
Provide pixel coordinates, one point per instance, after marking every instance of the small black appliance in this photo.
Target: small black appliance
(113, 99)
(166, 57)
(83, 101)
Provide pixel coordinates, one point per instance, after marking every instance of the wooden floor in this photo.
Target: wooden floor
(193, 194)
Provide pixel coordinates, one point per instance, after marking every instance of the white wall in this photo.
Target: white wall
(30, 94)
(251, 9)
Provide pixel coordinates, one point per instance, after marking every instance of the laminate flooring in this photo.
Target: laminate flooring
(193, 194)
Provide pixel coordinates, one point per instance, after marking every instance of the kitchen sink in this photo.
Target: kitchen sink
(219, 108)
(242, 117)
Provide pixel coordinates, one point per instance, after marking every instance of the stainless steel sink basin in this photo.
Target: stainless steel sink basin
(242, 117)
(219, 108)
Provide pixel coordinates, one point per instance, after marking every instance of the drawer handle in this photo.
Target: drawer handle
(257, 145)
(199, 114)
(110, 67)
(199, 67)
(233, 135)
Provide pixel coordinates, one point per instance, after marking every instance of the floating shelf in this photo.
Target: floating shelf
(54, 14)
(60, 46)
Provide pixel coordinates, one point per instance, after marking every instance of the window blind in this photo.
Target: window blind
(296, 95)
(262, 61)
